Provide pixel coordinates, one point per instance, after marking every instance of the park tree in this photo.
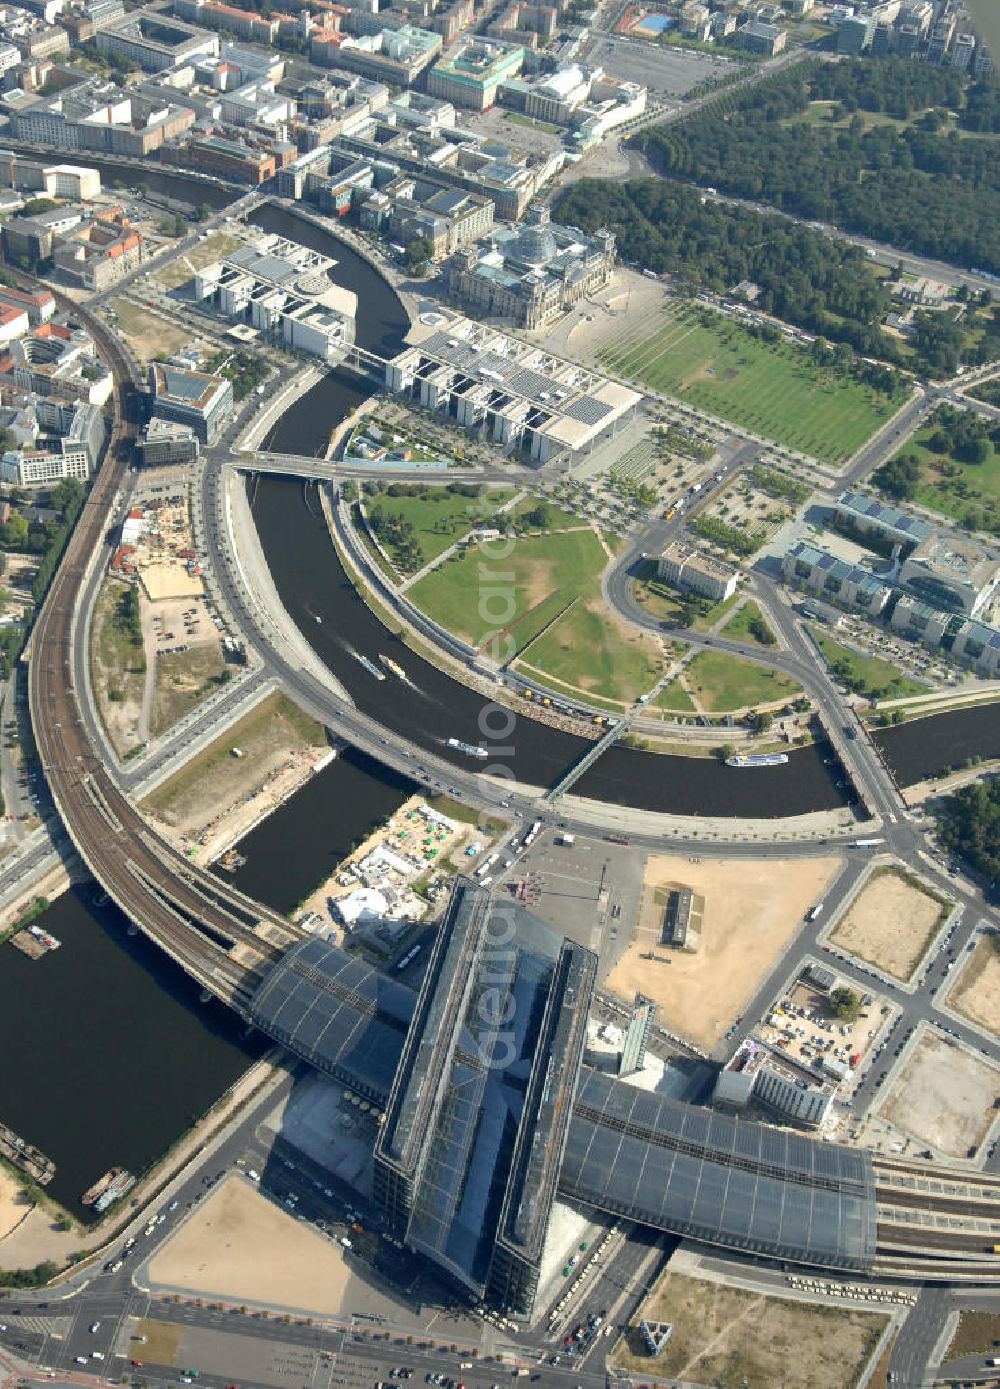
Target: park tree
(898, 477)
(845, 1003)
(418, 253)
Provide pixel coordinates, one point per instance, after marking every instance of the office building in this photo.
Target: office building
(101, 117)
(202, 402)
(39, 304)
(641, 1017)
(687, 568)
(468, 1158)
(164, 442)
(155, 42)
(836, 580)
(70, 181)
(233, 160)
(408, 209)
(940, 39)
(59, 362)
(394, 56)
(963, 51)
(471, 75)
(98, 252)
(521, 396)
(759, 37)
(42, 468)
(756, 1073)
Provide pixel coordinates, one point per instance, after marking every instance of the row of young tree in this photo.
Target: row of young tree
(919, 188)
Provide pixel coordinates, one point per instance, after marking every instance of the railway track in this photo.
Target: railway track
(197, 919)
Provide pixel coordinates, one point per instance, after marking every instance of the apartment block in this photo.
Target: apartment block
(154, 42)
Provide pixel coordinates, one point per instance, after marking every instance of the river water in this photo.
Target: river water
(301, 843)
(926, 747)
(430, 707)
(109, 1055)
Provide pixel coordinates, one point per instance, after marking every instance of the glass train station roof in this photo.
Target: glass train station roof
(717, 1178)
(332, 1008)
(678, 1167)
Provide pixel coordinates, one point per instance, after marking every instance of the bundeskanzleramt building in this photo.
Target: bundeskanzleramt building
(531, 274)
(686, 567)
(951, 572)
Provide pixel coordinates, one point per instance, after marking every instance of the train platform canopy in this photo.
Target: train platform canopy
(337, 1012)
(719, 1179)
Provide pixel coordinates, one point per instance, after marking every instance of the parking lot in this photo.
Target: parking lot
(665, 70)
(804, 1025)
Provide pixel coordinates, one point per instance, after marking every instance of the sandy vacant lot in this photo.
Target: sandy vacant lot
(14, 1203)
(890, 923)
(753, 908)
(733, 1337)
(944, 1096)
(976, 994)
(242, 1247)
(278, 742)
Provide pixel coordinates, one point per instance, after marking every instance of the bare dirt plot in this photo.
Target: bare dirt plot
(890, 923)
(732, 1337)
(976, 1334)
(17, 578)
(117, 670)
(161, 1340)
(182, 680)
(976, 992)
(944, 1096)
(242, 1247)
(14, 1203)
(179, 271)
(753, 908)
(147, 333)
(269, 737)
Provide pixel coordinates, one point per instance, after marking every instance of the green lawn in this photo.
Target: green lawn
(474, 596)
(674, 698)
(725, 683)
(772, 389)
(439, 517)
(590, 652)
(868, 675)
(969, 492)
(738, 627)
